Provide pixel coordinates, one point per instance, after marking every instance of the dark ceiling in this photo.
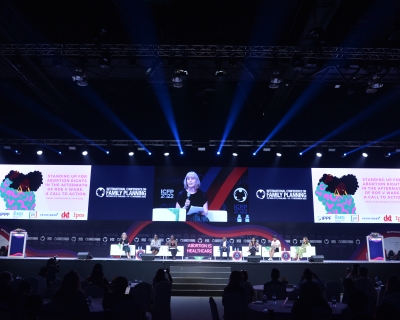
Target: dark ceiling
(40, 100)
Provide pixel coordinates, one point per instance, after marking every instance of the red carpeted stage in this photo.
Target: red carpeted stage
(259, 273)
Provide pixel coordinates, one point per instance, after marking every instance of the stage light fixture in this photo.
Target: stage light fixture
(85, 153)
(166, 150)
(337, 86)
(219, 72)
(300, 153)
(319, 154)
(105, 60)
(39, 152)
(254, 153)
(365, 154)
(278, 154)
(235, 154)
(217, 152)
(177, 82)
(71, 148)
(267, 149)
(152, 69)
(80, 77)
(297, 63)
(373, 82)
(344, 154)
(149, 153)
(107, 152)
(181, 152)
(130, 153)
(18, 152)
(60, 153)
(275, 79)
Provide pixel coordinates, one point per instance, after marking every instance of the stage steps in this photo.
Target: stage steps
(199, 280)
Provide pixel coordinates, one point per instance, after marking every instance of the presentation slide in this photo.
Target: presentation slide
(356, 195)
(44, 192)
(280, 195)
(121, 193)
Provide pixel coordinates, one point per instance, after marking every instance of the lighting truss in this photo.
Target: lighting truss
(199, 51)
(210, 143)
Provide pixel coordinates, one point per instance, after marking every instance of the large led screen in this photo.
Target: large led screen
(44, 192)
(356, 195)
(222, 194)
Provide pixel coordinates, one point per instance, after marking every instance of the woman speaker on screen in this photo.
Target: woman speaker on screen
(193, 199)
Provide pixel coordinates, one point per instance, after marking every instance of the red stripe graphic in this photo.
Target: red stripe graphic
(223, 192)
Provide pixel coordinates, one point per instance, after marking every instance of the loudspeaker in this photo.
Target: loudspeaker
(316, 258)
(147, 256)
(253, 258)
(84, 256)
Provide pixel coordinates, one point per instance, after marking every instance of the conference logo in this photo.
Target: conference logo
(285, 256)
(240, 195)
(100, 192)
(237, 256)
(260, 194)
(121, 192)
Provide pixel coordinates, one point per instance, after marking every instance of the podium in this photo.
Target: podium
(17, 243)
(375, 247)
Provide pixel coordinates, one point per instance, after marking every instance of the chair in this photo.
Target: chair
(94, 291)
(161, 309)
(167, 253)
(216, 252)
(147, 289)
(265, 253)
(34, 282)
(333, 289)
(42, 285)
(139, 296)
(127, 309)
(5, 311)
(214, 309)
(279, 291)
(235, 306)
(246, 253)
(53, 310)
(48, 293)
(148, 251)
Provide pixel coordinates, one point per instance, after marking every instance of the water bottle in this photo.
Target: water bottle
(273, 298)
(239, 218)
(89, 300)
(264, 299)
(333, 302)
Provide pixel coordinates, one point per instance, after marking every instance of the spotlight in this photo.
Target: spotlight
(105, 60)
(181, 152)
(374, 83)
(130, 153)
(60, 153)
(80, 78)
(107, 152)
(297, 63)
(235, 150)
(84, 153)
(150, 71)
(234, 154)
(344, 154)
(278, 154)
(275, 80)
(177, 82)
(166, 154)
(254, 153)
(219, 72)
(301, 153)
(149, 153)
(183, 69)
(39, 152)
(218, 152)
(319, 154)
(387, 154)
(365, 154)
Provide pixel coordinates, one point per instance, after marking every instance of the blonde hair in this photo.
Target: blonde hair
(191, 174)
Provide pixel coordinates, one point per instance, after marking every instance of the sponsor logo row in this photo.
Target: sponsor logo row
(354, 218)
(43, 215)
